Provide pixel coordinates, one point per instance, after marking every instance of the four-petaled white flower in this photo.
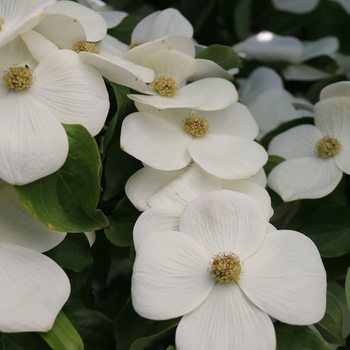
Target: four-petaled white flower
(33, 288)
(226, 271)
(316, 156)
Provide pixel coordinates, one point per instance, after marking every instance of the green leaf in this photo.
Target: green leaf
(66, 200)
(124, 29)
(72, 253)
(329, 228)
(347, 288)
(223, 55)
(133, 332)
(242, 19)
(331, 324)
(63, 336)
(171, 347)
(96, 329)
(299, 338)
(22, 341)
(122, 223)
(272, 162)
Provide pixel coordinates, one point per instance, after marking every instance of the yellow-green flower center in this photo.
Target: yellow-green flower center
(134, 44)
(226, 267)
(19, 78)
(196, 125)
(85, 46)
(327, 147)
(1, 23)
(165, 86)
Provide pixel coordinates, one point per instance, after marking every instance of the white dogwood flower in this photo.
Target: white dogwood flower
(226, 271)
(316, 156)
(33, 288)
(221, 142)
(34, 100)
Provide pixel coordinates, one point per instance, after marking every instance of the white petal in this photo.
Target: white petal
(91, 237)
(34, 289)
(63, 30)
(20, 16)
(232, 120)
(94, 25)
(226, 320)
(297, 142)
(155, 220)
(341, 88)
(295, 6)
(254, 191)
(172, 42)
(207, 69)
(38, 45)
(160, 24)
(208, 94)
(18, 227)
(228, 157)
(332, 117)
(272, 108)
(270, 47)
(304, 178)
(145, 182)
(286, 278)
(183, 189)
(323, 46)
(225, 221)
(155, 141)
(303, 72)
(33, 142)
(171, 63)
(170, 276)
(61, 77)
(261, 80)
(113, 18)
(344, 4)
(120, 71)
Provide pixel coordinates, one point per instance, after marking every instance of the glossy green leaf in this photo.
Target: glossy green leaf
(63, 336)
(72, 253)
(95, 329)
(329, 228)
(223, 55)
(299, 338)
(122, 223)
(22, 341)
(133, 332)
(66, 200)
(331, 324)
(347, 288)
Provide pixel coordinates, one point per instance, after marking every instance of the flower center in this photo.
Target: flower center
(1, 23)
(226, 267)
(327, 147)
(165, 86)
(85, 46)
(134, 44)
(19, 78)
(196, 125)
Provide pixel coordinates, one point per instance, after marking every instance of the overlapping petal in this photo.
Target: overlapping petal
(33, 290)
(225, 221)
(311, 177)
(296, 6)
(170, 276)
(276, 280)
(226, 320)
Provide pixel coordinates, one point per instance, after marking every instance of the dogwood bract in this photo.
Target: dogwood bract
(226, 271)
(33, 288)
(316, 156)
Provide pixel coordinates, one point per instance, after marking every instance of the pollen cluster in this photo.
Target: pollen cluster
(226, 267)
(18, 78)
(327, 147)
(196, 125)
(85, 46)
(165, 86)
